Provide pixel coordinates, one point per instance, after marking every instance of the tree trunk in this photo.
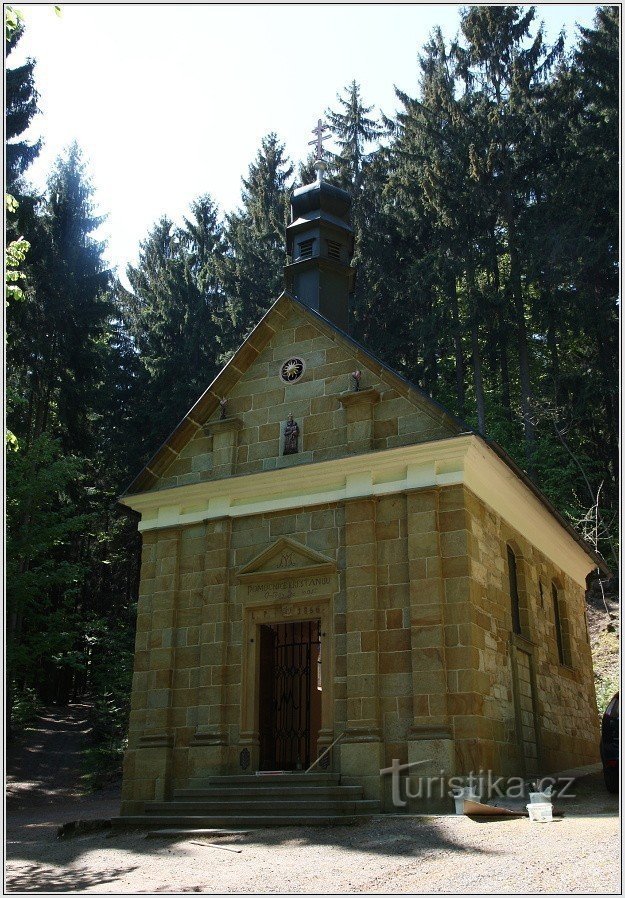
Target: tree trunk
(554, 358)
(475, 351)
(524, 363)
(457, 338)
(502, 342)
(609, 375)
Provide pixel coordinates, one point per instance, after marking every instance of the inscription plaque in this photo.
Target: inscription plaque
(284, 591)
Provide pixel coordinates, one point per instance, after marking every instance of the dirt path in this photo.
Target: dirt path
(577, 854)
(43, 767)
(43, 762)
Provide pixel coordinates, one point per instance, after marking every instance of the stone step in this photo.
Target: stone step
(178, 832)
(270, 807)
(253, 781)
(269, 790)
(261, 820)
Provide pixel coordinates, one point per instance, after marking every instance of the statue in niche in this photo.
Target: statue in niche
(291, 435)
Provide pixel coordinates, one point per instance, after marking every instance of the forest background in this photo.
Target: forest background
(486, 221)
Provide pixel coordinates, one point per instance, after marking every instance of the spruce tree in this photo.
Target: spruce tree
(20, 108)
(175, 313)
(252, 268)
(506, 78)
(61, 328)
(353, 130)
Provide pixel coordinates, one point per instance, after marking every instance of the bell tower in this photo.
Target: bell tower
(320, 245)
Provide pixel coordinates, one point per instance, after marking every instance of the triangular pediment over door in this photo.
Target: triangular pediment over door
(283, 558)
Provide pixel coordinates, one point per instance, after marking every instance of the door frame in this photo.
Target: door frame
(275, 613)
(297, 636)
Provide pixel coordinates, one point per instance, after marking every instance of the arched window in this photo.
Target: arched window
(514, 592)
(560, 620)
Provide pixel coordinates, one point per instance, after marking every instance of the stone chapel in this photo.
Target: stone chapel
(337, 572)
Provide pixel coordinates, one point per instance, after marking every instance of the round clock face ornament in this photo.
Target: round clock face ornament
(292, 370)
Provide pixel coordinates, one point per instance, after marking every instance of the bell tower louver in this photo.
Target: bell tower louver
(320, 244)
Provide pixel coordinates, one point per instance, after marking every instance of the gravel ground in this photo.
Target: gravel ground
(578, 853)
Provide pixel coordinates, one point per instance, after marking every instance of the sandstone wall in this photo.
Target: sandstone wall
(421, 629)
(262, 402)
(565, 704)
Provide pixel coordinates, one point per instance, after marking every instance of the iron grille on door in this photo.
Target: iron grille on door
(290, 678)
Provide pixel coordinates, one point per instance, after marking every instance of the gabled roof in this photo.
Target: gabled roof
(251, 348)
(239, 363)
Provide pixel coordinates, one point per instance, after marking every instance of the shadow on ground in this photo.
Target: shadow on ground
(37, 878)
(44, 792)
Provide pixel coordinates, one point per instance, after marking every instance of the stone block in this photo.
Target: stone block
(422, 544)
(358, 533)
(426, 637)
(434, 761)
(362, 762)
(360, 598)
(455, 567)
(462, 658)
(394, 618)
(433, 566)
(362, 663)
(453, 520)
(417, 568)
(451, 498)
(398, 575)
(394, 662)
(420, 501)
(425, 592)
(454, 543)
(397, 640)
(422, 522)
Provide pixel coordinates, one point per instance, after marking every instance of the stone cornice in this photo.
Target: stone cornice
(464, 459)
(358, 396)
(222, 425)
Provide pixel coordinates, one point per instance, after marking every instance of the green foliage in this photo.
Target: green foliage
(14, 255)
(26, 706)
(606, 687)
(487, 246)
(20, 103)
(71, 552)
(111, 661)
(486, 243)
(353, 130)
(174, 315)
(103, 763)
(41, 579)
(13, 20)
(251, 267)
(58, 339)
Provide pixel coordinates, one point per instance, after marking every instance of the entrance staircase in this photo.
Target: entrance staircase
(284, 799)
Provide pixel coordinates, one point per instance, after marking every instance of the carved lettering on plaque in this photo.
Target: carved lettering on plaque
(286, 560)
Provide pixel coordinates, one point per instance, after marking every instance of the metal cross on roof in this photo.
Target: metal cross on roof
(318, 141)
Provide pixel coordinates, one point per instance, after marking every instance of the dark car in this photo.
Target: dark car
(609, 745)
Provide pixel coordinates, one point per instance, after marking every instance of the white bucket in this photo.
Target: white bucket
(540, 812)
(540, 797)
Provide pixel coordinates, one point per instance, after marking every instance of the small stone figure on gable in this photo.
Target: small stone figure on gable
(356, 375)
(223, 402)
(291, 434)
